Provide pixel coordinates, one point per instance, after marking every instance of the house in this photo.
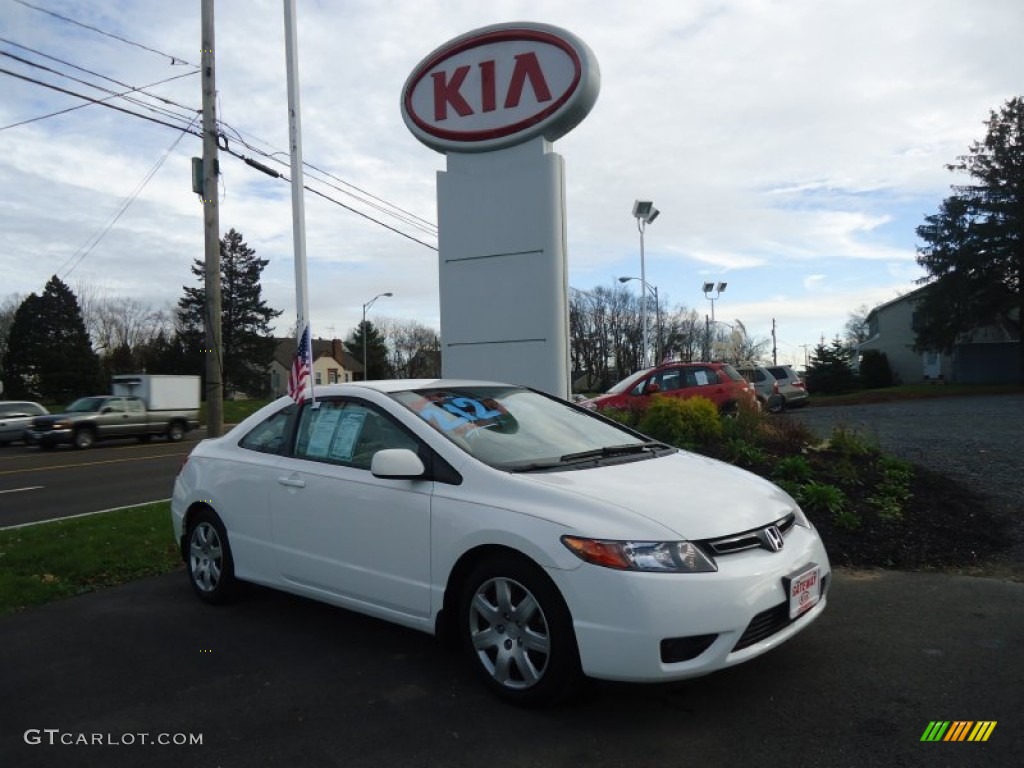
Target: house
(988, 355)
(332, 364)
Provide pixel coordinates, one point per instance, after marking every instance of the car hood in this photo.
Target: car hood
(691, 495)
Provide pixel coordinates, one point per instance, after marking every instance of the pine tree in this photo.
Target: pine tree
(974, 245)
(49, 355)
(246, 338)
(377, 366)
(829, 371)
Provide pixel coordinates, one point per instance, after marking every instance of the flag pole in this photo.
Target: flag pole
(298, 209)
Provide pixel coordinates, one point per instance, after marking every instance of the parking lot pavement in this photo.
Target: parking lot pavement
(275, 680)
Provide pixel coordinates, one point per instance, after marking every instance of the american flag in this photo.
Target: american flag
(298, 379)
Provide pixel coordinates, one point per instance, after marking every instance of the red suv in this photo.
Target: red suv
(718, 382)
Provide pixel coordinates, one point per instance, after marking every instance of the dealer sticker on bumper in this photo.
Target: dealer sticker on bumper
(804, 590)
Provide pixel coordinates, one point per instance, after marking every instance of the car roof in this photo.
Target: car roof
(387, 386)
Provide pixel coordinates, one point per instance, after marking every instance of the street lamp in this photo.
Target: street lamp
(645, 213)
(717, 289)
(657, 310)
(366, 306)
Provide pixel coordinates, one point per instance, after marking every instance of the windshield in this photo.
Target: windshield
(518, 429)
(628, 382)
(86, 405)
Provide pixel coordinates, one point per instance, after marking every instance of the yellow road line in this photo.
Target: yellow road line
(90, 463)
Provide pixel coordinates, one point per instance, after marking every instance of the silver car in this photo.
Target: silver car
(791, 386)
(15, 417)
(765, 387)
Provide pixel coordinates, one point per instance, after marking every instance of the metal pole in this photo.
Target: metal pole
(298, 205)
(657, 337)
(211, 231)
(643, 305)
(363, 327)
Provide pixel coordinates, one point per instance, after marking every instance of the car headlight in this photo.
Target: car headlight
(651, 556)
(61, 424)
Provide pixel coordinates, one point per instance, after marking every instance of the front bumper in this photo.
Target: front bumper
(622, 617)
(49, 437)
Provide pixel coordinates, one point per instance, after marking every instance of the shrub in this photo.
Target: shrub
(822, 498)
(849, 441)
(689, 422)
(874, 370)
(741, 452)
(793, 469)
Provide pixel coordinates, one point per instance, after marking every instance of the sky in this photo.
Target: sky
(792, 147)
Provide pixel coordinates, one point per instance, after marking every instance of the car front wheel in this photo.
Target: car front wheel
(208, 558)
(517, 632)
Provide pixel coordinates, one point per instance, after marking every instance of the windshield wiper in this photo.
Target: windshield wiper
(596, 453)
(613, 450)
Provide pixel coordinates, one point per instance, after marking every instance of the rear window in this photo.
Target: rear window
(731, 373)
(781, 372)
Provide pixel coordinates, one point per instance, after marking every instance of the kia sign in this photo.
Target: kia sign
(500, 86)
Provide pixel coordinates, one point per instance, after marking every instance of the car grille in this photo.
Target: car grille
(753, 539)
(767, 623)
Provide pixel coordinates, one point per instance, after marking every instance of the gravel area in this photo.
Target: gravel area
(978, 440)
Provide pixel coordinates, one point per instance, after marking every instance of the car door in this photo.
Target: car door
(113, 420)
(338, 530)
(707, 384)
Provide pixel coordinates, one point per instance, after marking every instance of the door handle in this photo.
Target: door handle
(291, 482)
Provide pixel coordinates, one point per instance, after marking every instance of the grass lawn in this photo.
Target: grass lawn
(44, 562)
(914, 392)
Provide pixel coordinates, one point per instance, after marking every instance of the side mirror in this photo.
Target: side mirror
(397, 464)
(653, 388)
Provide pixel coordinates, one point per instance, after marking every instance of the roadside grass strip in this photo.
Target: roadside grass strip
(49, 561)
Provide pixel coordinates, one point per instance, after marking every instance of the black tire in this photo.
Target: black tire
(84, 439)
(529, 659)
(776, 404)
(730, 410)
(211, 571)
(175, 432)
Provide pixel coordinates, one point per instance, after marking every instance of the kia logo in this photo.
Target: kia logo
(500, 86)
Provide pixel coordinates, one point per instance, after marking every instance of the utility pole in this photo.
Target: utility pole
(211, 232)
(775, 349)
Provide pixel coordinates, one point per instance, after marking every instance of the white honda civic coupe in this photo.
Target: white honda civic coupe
(553, 543)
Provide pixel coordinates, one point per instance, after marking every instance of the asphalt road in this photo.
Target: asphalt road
(279, 681)
(40, 485)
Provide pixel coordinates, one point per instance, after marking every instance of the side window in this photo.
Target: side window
(134, 406)
(704, 377)
(348, 433)
(115, 406)
(271, 434)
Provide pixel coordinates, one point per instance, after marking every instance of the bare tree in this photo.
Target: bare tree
(413, 348)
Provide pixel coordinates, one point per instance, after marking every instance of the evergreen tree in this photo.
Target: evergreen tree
(377, 365)
(974, 245)
(829, 371)
(49, 355)
(246, 339)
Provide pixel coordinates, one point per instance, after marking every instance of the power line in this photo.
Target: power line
(79, 256)
(248, 161)
(368, 199)
(174, 59)
(82, 106)
(143, 104)
(101, 102)
(66, 63)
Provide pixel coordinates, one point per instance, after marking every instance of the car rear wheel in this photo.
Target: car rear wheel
(517, 632)
(208, 558)
(175, 432)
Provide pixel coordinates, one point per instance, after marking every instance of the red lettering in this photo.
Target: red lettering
(488, 86)
(447, 92)
(527, 68)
